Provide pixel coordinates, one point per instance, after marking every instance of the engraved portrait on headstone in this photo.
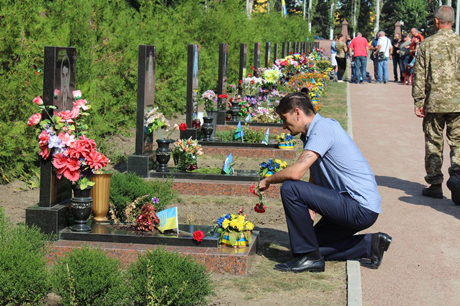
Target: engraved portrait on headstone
(64, 78)
(149, 88)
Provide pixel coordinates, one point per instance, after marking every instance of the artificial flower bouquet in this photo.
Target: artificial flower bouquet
(234, 230)
(285, 141)
(251, 85)
(271, 167)
(62, 137)
(186, 153)
(271, 76)
(209, 97)
(155, 121)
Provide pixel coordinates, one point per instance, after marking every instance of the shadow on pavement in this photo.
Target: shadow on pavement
(414, 192)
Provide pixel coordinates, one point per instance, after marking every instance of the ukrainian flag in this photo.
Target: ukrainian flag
(168, 219)
(239, 133)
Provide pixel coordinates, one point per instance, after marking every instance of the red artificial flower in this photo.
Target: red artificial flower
(44, 137)
(259, 208)
(81, 147)
(240, 82)
(67, 166)
(231, 99)
(253, 190)
(252, 67)
(290, 52)
(198, 235)
(96, 160)
(182, 127)
(44, 151)
(249, 75)
(252, 82)
(223, 96)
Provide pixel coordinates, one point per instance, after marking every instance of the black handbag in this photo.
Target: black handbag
(381, 56)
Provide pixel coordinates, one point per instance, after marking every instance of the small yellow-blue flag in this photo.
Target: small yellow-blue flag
(168, 219)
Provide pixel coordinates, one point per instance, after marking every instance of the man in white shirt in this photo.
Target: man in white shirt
(383, 53)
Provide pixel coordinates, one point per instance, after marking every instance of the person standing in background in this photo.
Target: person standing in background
(404, 55)
(436, 97)
(341, 57)
(333, 57)
(395, 54)
(373, 58)
(358, 49)
(383, 54)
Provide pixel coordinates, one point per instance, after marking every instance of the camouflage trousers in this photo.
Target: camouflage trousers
(433, 127)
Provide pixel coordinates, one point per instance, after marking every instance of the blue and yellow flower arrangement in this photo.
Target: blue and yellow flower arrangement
(286, 141)
(234, 230)
(271, 167)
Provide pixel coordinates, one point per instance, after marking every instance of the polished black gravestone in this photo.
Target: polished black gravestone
(121, 233)
(288, 48)
(222, 83)
(267, 54)
(50, 215)
(238, 176)
(139, 162)
(236, 144)
(242, 67)
(256, 56)
(191, 111)
(283, 50)
(275, 53)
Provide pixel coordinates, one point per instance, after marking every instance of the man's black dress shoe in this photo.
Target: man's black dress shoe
(301, 264)
(380, 243)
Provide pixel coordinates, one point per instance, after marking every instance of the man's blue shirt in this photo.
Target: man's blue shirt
(341, 165)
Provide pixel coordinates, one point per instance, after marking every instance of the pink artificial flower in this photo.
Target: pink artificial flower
(75, 112)
(81, 103)
(38, 100)
(34, 119)
(69, 167)
(66, 139)
(44, 137)
(57, 93)
(76, 94)
(65, 115)
(81, 147)
(96, 160)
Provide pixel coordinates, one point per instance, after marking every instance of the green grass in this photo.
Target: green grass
(334, 103)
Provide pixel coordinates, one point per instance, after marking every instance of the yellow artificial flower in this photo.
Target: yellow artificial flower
(241, 219)
(225, 223)
(249, 226)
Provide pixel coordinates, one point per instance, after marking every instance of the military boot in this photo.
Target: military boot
(434, 191)
(454, 185)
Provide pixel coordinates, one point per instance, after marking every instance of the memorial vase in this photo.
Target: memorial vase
(163, 154)
(241, 240)
(100, 194)
(81, 207)
(207, 128)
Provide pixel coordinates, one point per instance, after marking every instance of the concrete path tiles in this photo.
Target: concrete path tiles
(422, 266)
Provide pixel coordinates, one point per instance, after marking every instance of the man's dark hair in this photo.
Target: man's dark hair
(295, 100)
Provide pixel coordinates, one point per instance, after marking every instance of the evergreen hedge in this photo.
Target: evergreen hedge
(106, 35)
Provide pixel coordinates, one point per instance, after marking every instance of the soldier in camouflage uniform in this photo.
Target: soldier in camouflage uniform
(436, 93)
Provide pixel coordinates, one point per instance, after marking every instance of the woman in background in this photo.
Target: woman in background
(342, 50)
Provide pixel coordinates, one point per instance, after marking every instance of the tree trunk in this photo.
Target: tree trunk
(377, 16)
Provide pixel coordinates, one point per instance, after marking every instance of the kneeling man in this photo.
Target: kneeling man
(342, 189)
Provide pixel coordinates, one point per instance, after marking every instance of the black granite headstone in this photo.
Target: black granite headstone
(275, 53)
(242, 70)
(294, 47)
(50, 215)
(256, 56)
(192, 92)
(288, 48)
(283, 50)
(139, 162)
(267, 54)
(222, 83)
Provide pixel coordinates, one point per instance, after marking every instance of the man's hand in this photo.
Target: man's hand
(264, 184)
(420, 112)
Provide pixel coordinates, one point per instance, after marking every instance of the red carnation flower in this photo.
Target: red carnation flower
(249, 75)
(182, 127)
(240, 82)
(259, 208)
(198, 235)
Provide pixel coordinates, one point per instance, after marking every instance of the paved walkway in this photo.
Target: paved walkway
(422, 266)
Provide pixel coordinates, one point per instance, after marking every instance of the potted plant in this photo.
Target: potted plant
(234, 230)
(62, 137)
(186, 152)
(271, 167)
(286, 141)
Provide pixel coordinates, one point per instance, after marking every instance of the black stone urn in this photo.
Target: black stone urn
(81, 208)
(163, 154)
(235, 109)
(207, 128)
